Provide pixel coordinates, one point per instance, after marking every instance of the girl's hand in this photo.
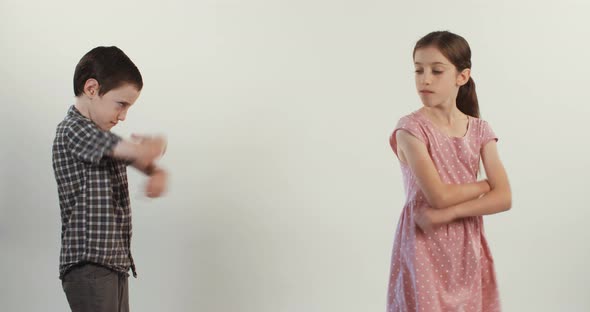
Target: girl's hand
(429, 218)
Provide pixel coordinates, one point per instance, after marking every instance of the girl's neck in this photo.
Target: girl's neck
(444, 115)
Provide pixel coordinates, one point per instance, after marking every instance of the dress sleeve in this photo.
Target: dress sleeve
(411, 126)
(486, 134)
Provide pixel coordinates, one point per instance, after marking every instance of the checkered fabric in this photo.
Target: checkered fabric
(93, 196)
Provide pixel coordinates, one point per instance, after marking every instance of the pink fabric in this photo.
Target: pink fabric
(450, 270)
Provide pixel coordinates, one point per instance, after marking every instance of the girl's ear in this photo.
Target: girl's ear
(463, 77)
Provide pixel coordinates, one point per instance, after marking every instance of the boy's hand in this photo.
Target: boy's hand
(150, 148)
(156, 185)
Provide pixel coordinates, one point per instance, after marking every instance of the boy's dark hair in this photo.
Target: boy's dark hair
(110, 66)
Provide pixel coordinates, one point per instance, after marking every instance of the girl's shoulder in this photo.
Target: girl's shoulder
(482, 129)
(410, 118)
(479, 123)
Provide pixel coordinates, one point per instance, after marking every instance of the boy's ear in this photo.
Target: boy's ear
(91, 88)
(463, 77)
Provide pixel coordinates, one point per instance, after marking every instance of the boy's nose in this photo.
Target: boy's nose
(122, 115)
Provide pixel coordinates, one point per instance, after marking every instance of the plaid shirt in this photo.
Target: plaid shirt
(93, 196)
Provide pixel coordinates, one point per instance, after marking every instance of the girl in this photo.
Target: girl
(441, 260)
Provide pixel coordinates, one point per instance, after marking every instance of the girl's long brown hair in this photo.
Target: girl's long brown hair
(456, 49)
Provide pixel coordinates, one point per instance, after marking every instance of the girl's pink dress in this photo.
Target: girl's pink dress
(451, 269)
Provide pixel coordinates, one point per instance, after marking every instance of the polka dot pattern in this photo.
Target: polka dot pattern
(451, 269)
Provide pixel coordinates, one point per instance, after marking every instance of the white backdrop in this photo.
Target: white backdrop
(284, 193)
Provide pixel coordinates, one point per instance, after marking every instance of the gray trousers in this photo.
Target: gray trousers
(93, 288)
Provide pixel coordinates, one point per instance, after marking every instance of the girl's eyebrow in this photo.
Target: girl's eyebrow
(433, 63)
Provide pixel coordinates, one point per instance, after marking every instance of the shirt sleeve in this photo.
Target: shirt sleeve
(90, 144)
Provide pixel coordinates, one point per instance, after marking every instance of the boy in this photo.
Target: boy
(90, 169)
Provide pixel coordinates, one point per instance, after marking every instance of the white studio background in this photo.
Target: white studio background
(284, 193)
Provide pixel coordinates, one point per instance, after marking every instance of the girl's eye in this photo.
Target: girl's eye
(436, 72)
(419, 71)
